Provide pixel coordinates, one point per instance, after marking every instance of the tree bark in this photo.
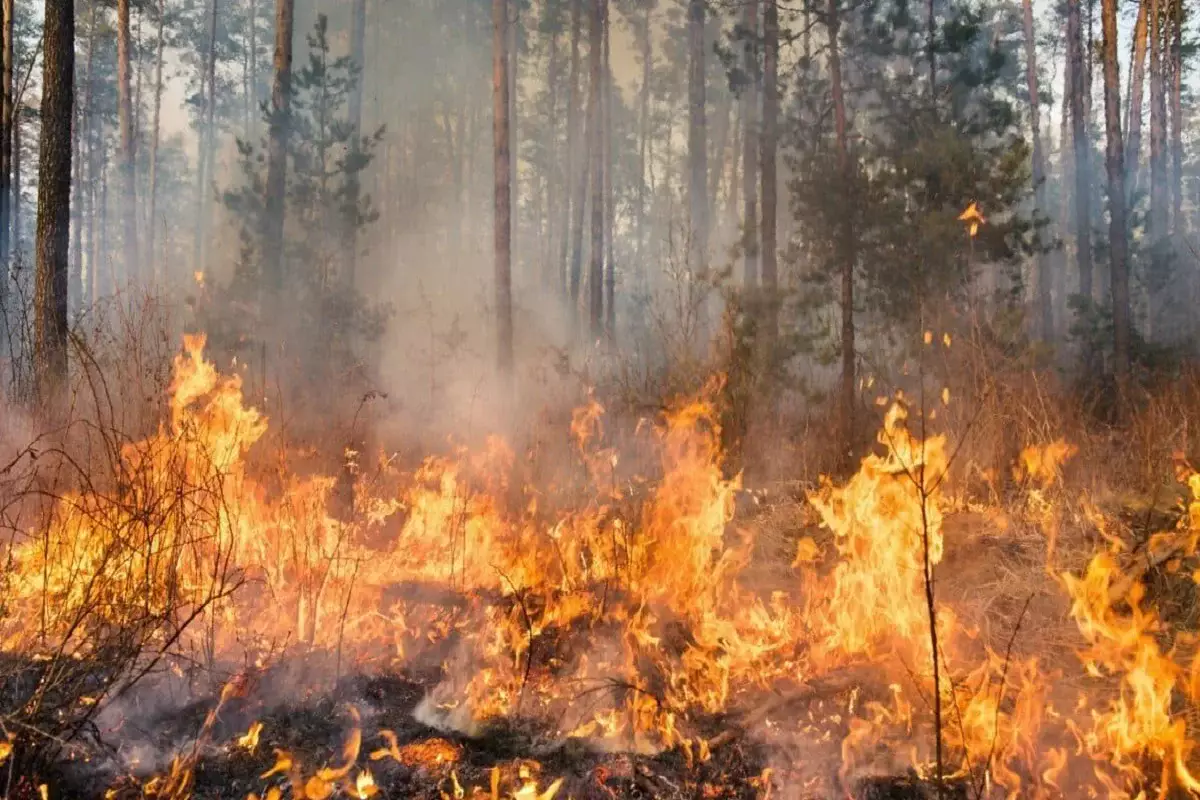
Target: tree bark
(1178, 223)
(1117, 230)
(514, 23)
(733, 209)
(125, 121)
(102, 282)
(697, 142)
(103, 249)
(577, 164)
(1066, 147)
(596, 157)
(253, 126)
(770, 137)
(358, 50)
(610, 270)
(75, 293)
(502, 166)
(1045, 310)
(1137, 85)
(847, 248)
(54, 202)
(750, 147)
(210, 135)
(157, 267)
(86, 197)
(931, 50)
(722, 119)
(643, 141)
(555, 174)
(137, 81)
(1082, 148)
(7, 109)
(205, 151)
(280, 125)
(1157, 221)
(17, 199)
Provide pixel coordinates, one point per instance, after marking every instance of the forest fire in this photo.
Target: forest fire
(567, 405)
(634, 622)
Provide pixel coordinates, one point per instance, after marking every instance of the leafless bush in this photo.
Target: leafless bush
(116, 545)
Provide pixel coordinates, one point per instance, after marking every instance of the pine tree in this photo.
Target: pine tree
(325, 158)
(129, 206)
(54, 201)
(502, 167)
(750, 155)
(770, 136)
(280, 131)
(1118, 244)
(1081, 149)
(697, 141)
(1045, 308)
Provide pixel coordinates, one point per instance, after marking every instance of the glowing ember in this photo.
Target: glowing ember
(249, 740)
(431, 752)
(364, 785)
(973, 218)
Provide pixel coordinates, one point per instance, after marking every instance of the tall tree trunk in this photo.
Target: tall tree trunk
(596, 157)
(1088, 59)
(576, 173)
(87, 203)
(157, 267)
(277, 147)
(555, 174)
(1178, 223)
(17, 200)
(643, 141)
(1157, 221)
(513, 62)
(247, 92)
(770, 137)
(358, 51)
(103, 248)
(503, 197)
(1045, 310)
(718, 148)
(54, 201)
(750, 153)
(931, 49)
(1082, 148)
(125, 120)
(697, 142)
(1117, 230)
(75, 287)
(210, 136)
(7, 108)
(1137, 85)
(1066, 203)
(847, 249)
(137, 81)
(807, 34)
(204, 141)
(733, 209)
(102, 281)
(198, 191)
(253, 125)
(610, 271)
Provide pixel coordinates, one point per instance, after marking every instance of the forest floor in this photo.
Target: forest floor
(778, 741)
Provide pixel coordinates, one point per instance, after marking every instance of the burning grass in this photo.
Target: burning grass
(453, 631)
